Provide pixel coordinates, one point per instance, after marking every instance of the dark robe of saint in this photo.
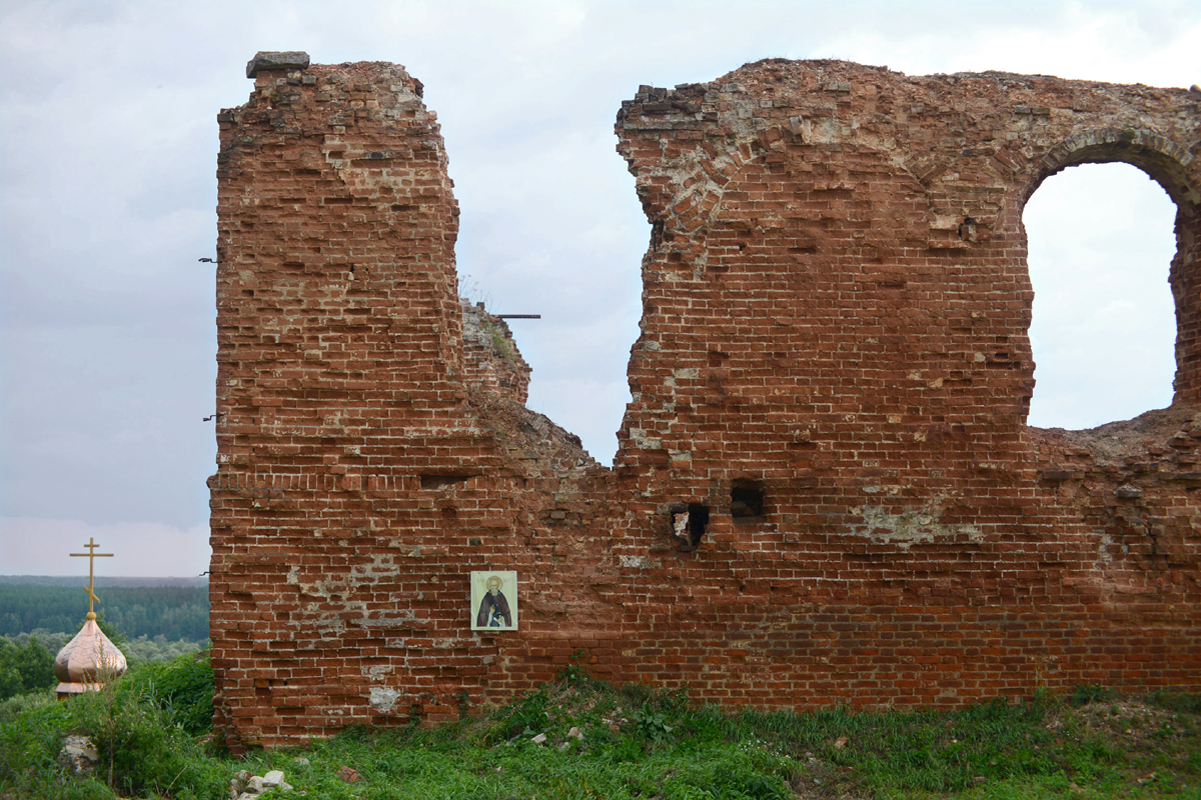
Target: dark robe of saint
(494, 611)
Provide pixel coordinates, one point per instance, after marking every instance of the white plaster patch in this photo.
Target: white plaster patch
(644, 441)
(403, 618)
(380, 566)
(911, 526)
(452, 644)
(379, 672)
(335, 588)
(383, 699)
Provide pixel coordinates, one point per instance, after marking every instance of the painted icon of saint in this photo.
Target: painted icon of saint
(494, 608)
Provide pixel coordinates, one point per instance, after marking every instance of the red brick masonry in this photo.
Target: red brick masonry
(829, 396)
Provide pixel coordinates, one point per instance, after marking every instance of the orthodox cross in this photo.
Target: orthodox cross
(91, 556)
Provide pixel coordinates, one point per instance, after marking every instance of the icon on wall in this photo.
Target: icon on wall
(494, 601)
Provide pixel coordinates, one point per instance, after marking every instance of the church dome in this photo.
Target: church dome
(88, 661)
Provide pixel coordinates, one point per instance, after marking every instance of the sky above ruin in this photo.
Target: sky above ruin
(107, 201)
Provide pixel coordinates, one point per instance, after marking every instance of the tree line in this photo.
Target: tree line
(24, 669)
(173, 612)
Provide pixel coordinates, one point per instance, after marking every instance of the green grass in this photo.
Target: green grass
(637, 743)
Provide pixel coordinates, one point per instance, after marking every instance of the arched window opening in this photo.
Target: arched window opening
(1101, 239)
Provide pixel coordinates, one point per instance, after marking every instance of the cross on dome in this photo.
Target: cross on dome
(91, 556)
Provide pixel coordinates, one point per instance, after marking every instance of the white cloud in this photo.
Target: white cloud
(1120, 45)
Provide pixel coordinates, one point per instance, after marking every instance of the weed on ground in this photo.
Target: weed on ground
(578, 738)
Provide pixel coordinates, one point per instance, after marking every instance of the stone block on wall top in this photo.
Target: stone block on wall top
(272, 59)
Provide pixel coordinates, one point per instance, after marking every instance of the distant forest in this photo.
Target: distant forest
(175, 612)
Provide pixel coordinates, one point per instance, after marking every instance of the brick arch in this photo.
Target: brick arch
(1161, 158)
(1168, 164)
(704, 174)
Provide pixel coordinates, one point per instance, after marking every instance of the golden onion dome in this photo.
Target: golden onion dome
(88, 661)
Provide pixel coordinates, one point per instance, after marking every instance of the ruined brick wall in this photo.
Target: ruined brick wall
(491, 357)
(361, 474)
(836, 310)
(825, 489)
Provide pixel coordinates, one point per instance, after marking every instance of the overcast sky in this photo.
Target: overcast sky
(108, 143)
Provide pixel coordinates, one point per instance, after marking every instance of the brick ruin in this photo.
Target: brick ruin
(825, 491)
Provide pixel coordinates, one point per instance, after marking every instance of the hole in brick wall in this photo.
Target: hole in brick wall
(688, 525)
(656, 235)
(442, 481)
(967, 229)
(1100, 238)
(746, 499)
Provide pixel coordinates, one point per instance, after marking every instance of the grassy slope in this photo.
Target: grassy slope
(635, 744)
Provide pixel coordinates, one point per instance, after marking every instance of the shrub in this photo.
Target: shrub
(1085, 694)
(143, 726)
(11, 708)
(23, 669)
(182, 689)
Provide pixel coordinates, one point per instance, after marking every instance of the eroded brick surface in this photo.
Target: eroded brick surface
(833, 373)
(491, 357)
